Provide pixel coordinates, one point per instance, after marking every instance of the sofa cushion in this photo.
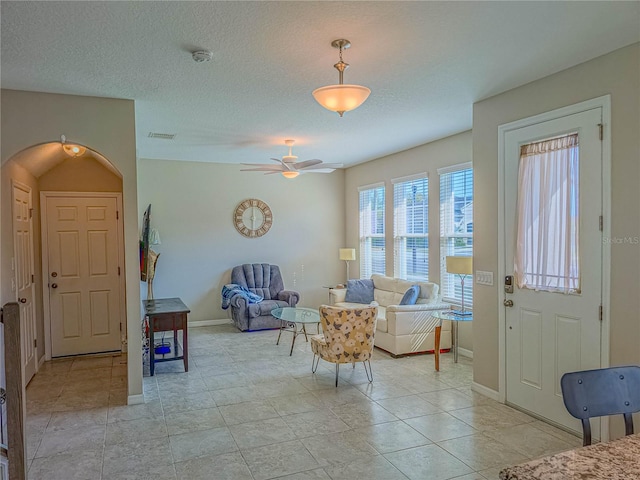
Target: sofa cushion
(410, 296)
(359, 291)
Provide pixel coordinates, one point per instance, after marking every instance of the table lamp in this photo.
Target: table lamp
(461, 266)
(347, 254)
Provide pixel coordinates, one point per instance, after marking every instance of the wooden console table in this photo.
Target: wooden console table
(167, 314)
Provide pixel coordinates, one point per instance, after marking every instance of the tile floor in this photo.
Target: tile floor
(247, 410)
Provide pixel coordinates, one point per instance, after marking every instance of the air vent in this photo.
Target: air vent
(162, 136)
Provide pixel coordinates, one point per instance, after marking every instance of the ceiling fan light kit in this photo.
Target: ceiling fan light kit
(342, 97)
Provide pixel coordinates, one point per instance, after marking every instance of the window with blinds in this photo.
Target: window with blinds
(456, 229)
(411, 228)
(372, 245)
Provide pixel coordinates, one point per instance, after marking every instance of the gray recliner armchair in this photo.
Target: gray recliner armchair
(266, 281)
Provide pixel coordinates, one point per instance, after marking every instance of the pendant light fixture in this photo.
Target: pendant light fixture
(341, 98)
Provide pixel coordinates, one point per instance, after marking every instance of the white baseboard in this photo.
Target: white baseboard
(465, 353)
(135, 399)
(486, 391)
(41, 361)
(208, 323)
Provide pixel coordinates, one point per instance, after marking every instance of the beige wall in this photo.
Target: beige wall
(617, 74)
(192, 208)
(106, 126)
(80, 174)
(425, 158)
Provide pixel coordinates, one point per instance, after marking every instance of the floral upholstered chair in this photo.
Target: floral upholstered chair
(347, 337)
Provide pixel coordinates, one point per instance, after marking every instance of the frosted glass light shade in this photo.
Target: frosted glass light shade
(347, 254)
(460, 265)
(290, 174)
(341, 98)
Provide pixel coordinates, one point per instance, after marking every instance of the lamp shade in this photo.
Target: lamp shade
(347, 254)
(290, 174)
(341, 98)
(460, 265)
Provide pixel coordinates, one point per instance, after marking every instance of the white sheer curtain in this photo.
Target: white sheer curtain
(547, 239)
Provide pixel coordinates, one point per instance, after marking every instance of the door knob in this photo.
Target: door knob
(54, 274)
(22, 300)
(54, 285)
(508, 303)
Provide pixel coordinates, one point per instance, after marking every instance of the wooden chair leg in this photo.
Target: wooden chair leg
(437, 347)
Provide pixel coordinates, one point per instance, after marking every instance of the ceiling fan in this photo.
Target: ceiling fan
(290, 167)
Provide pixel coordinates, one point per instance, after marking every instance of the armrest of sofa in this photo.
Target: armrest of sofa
(238, 301)
(337, 295)
(414, 319)
(289, 296)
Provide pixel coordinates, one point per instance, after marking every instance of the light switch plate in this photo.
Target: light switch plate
(484, 278)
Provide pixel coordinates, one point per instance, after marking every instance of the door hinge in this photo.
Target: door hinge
(35, 343)
(601, 223)
(601, 131)
(117, 214)
(32, 279)
(600, 312)
(121, 326)
(31, 213)
(118, 271)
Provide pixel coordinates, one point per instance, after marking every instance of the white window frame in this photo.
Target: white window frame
(400, 234)
(367, 267)
(448, 281)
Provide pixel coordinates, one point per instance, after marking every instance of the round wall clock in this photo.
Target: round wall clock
(252, 218)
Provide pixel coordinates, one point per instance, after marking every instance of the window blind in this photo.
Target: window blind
(372, 241)
(411, 229)
(456, 230)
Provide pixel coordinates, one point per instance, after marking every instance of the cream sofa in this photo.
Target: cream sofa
(403, 329)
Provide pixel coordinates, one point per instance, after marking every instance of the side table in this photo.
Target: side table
(167, 314)
(455, 318)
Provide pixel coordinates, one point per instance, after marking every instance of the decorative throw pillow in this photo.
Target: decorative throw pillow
(411, 296)
(359, 291)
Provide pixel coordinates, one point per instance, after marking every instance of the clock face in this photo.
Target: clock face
(252, 218)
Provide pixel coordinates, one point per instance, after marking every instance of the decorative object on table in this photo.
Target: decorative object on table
(266, 281)
(252, 218)
(348, 255)
(336, 347)
(342, 97)
(289, 167)
(461, 266)
(151, 272)
(602, 392)
(360, 291)
(406, 329)
(144, 243)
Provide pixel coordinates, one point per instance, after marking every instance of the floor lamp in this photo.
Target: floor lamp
(347, 254)
(461, 266)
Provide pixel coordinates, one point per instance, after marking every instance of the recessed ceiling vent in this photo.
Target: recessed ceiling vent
(162, 136)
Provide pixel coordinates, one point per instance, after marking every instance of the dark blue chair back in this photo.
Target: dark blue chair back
(597, 393)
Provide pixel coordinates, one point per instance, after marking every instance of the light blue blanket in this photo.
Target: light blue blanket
(232, 289)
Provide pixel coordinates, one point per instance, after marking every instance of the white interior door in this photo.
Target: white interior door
(83, 274)
(549, 333)
(24, 275)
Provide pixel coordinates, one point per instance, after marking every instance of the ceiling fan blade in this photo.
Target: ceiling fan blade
(266, 166)
(306, 164)
(332, 165)
(261, 169)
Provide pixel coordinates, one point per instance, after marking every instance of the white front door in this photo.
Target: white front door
(550, 333)
(83, 274)
(24, 276)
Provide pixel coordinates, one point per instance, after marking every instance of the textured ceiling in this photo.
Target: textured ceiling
(425, 62)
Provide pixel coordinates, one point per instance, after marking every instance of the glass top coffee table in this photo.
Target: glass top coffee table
(295, 320)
